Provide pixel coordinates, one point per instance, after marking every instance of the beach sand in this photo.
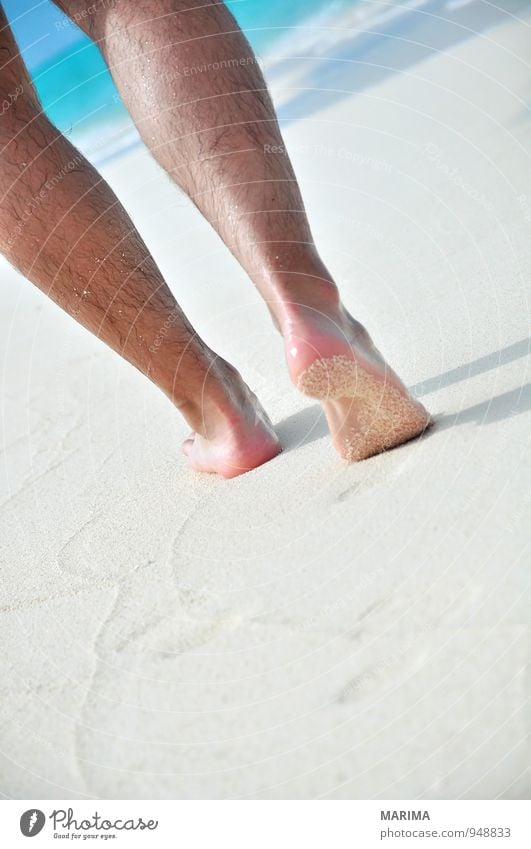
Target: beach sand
(313, 628)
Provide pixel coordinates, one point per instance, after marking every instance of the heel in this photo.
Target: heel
(331, 378)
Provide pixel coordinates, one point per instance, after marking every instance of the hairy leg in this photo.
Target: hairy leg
(64, 229)
(198, 97)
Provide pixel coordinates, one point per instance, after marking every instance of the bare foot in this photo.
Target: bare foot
(331, 357)
(233, 434)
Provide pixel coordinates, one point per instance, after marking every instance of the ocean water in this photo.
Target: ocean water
(294, 39)
(266, 20)
(78, 94)
(77, 91)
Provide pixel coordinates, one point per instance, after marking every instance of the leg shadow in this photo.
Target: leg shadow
(309, 425)
(473, 368)
(301, 428)
(504, 406)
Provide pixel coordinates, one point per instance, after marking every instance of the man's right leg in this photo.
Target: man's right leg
(195, 90)
(64, 229)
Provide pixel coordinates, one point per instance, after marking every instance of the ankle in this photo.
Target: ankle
(183, 374)
(299, 296)
(212, 400)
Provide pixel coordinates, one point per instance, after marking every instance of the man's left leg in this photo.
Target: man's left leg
(64, 229)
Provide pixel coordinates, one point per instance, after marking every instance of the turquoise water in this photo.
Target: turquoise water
(74, 85)
(265, 20)
(76, 89)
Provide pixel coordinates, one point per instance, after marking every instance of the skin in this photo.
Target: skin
(197, 95)
(64, 229)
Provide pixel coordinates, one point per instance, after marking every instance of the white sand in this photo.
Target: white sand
(312, 628)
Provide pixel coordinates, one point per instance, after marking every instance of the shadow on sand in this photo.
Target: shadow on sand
(309, 425)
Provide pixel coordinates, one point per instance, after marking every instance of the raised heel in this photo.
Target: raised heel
(332, 378)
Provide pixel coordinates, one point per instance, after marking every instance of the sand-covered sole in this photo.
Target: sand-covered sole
(367, 414)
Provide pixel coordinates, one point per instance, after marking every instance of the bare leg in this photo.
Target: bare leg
(61, 226)
(197, 95)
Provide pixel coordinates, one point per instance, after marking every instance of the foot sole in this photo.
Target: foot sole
(366, 414)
